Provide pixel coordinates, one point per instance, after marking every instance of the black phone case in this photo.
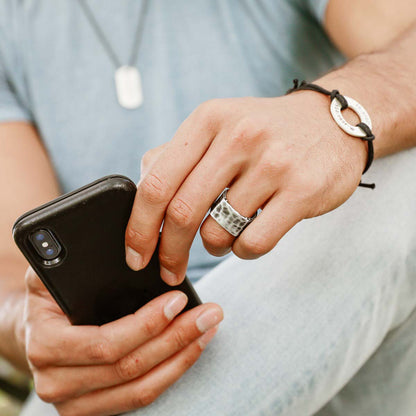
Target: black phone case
(92, 283)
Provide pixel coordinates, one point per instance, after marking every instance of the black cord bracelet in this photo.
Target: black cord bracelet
(367, 135)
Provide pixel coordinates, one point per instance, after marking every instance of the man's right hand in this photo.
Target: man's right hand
(117, 367)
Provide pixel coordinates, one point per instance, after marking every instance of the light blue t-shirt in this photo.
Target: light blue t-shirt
(55, 73)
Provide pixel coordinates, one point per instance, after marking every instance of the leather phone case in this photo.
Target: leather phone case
(91, 281)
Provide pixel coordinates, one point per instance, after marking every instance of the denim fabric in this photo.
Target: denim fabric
(54, 71)
(330, 310)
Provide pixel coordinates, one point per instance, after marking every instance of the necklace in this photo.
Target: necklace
(127, 76)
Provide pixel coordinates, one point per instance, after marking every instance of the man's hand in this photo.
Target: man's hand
(285, 155)
(120, 366)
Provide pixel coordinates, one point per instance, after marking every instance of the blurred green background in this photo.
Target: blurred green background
(14, 388)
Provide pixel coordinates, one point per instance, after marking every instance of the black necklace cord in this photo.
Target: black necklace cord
(102, 38)
(335, 94)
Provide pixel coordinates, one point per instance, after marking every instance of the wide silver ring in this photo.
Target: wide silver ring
(227, 217)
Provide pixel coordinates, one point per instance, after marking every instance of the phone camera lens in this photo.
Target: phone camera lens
(46, 244)
(40, 237)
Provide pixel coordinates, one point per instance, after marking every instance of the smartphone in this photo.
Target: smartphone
(75, 244)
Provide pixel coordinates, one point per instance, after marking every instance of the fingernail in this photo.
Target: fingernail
(208, 319)
(169, 277)
(207, 337)
(133, 259)
(175, 305)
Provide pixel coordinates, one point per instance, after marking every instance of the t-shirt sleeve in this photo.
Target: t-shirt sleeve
(12, 107)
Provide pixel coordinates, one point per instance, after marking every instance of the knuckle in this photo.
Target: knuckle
(152, 154)
(44, 395)
(209, 111)
(288, 155)
(35, 355)
(150, 326)
(101, 351)
(215, 238)
(136, 237)
(144, 162)
(143, 398)
(209, 106)
(246, 131)
(189, 360)
(68, 409)
(311, 184)
(130, 367)
(170, 262)
(254, 246)
(180, 213)
(148, 156)
(179, 339)
(48, 392)
(269, 168)
(306, 187)
(153, 190)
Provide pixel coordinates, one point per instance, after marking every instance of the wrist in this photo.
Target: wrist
(383, 96)
(315, 108)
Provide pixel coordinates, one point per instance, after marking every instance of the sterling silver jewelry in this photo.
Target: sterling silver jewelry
(355, 131)
(227, 217)
(127, 76)
(340, 102)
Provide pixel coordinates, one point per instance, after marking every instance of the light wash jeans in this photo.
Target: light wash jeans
(324, 324)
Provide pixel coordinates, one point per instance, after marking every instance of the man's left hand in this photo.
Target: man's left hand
(285, 155)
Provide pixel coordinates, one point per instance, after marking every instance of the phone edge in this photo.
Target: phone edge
(64, 196)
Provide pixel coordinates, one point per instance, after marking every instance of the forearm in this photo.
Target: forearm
(26, 181)
(12, 295)
(384, 83)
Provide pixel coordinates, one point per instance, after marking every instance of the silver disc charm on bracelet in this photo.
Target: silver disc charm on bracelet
(340, 120)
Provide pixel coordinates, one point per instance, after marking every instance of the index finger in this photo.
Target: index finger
(63, 344)
(159, 185)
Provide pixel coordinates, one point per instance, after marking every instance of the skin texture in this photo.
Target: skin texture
(82, 370)
(265, 169)
(257, 146)
(120, 366)
(294, 170)
(25, 171)
(348, 23)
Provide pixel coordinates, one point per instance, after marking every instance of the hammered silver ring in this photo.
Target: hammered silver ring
(227, 217)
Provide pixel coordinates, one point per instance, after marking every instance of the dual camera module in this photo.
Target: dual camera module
(45, 244)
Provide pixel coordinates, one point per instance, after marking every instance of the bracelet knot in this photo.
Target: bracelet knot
(335, 94)
(344, 102)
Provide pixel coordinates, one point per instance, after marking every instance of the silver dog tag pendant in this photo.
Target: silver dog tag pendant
(129, 87)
